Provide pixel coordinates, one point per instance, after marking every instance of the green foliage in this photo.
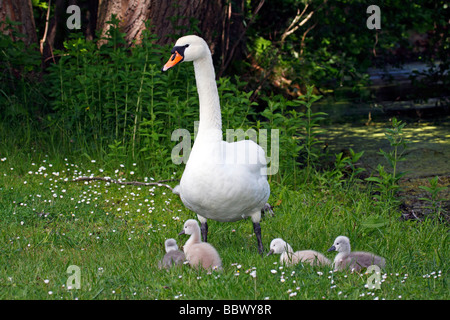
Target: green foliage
(114, 101)
(344, 167)
(387, 182)
(398, 144)
(434, 201)
(20, 97)
(334, 48)
(298, 130)
(238, 111)
(310, 126)
(386, 186)
(106, 94)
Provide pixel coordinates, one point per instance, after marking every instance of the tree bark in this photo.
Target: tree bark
(57, 28)
(175, 18)
(170, 18)
(19, 11)
(219, 22)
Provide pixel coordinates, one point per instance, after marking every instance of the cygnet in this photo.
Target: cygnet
(173, 256)
(355, 261)
(198, 253)
(289, 257)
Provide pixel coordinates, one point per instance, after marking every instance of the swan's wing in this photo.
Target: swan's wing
(225, 181)
(366, 259)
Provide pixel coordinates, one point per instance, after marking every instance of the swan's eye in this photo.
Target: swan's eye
(187, 45)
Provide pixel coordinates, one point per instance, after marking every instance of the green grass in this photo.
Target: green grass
(115, 235)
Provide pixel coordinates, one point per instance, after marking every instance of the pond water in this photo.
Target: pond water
(348, 126)
(362, 126)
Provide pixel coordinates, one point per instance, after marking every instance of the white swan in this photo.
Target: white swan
(290, 258)
(345, 259)
(198, 253)
(222, 181)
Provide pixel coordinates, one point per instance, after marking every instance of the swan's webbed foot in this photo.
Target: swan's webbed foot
(257, 229)
(268, 209)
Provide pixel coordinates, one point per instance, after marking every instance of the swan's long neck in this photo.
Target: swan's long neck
(289, 248)
(210, 117)
(346, 248)
(193, 239)
(343, 252)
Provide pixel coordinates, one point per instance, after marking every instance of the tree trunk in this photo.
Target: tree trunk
(171, 19)
(131, 13)
(58, 31)
(19, 11)
(219, 22)
(175, 18)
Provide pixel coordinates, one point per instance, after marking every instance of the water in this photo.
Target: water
(361, 125)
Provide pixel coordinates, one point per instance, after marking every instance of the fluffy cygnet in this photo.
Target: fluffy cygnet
(289, 257)
(199, 253)
(345, 259)
(173, 256)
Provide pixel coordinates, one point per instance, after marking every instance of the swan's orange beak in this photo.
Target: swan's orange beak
(174, 59)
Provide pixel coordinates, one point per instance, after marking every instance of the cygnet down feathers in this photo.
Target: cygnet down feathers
(198, 253)
(290, 258)
(173, 256)
(345, 259)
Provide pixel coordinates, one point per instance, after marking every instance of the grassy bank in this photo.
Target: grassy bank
(115, 234)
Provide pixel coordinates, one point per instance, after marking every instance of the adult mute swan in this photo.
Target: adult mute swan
(345, 259)
(222, 181)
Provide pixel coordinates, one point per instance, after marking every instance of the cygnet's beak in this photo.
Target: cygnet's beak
(181, 232)
(333, 248)
(269, 253)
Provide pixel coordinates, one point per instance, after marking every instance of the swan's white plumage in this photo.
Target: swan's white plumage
(214, 187)
(345, 259)
(223, 181)
(198, 253)
(290, 258)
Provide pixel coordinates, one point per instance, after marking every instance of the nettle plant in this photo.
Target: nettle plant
(299, 129)
(386, 183)
(113, 102)
(434, 201)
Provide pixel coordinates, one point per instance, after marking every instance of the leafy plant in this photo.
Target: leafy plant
(311, 124)
(435, 203)
(387, 182)
(20, 96)
(114, 102)
(345, 166)
(298, 130)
